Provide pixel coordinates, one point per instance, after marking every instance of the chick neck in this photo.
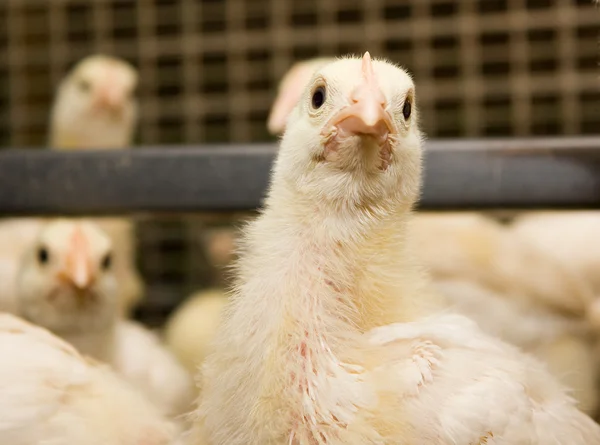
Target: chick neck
(353, 261)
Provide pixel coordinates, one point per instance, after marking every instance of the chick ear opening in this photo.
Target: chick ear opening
(289, 93)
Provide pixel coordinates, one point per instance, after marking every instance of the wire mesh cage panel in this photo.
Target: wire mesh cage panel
(210, 68)
(209, 71)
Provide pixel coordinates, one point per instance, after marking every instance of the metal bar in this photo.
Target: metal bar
(459, 174)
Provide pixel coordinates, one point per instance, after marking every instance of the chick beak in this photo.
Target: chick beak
(109, 98)
(77, 271)
(366, 115)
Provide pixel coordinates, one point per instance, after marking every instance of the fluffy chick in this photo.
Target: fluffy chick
(67, 285)
(51, 394)
(478, 265)
(328, 337)
(96, 108)
(189, 331)
(571, 238)
(514, 291)
(289, 91)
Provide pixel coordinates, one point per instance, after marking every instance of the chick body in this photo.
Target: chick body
(51, 394)
(510, 288)
(332, 334)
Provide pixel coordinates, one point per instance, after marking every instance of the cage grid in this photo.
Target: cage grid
(209, 71)
(210, 68)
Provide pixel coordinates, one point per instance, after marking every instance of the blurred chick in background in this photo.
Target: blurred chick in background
(67, 285)
(514, 291)
(50, 394)
(96, 108)
(571, 238)
(189, 330)
(539, 305)
(288, 92)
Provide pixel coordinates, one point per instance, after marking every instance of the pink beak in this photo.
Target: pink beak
(110, 98)
(78, 270)
(366, 115)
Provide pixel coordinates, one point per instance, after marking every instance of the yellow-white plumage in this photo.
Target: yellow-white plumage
(145, 362)
(331, 335)
(571, 238)
(67, 285)
(16, 237)
(510, 288)
(514, 291)
(289, 92)
(189, 331)
(50, 394)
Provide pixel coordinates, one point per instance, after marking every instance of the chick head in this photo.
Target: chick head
(96, 100)
(66, 283)
(353, 138)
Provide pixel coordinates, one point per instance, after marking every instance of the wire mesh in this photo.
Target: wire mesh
(209, 70)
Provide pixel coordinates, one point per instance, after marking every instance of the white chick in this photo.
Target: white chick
(67, 286)
(96, 108)
(189, 331)
(50, 394)
(512, 290)
(329, 337)
(571, 238)
(478, 265)
(289, 91)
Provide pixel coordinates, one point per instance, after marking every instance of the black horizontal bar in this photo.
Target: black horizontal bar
(459, 174)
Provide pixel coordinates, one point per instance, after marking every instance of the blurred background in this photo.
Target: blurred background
(209, 71)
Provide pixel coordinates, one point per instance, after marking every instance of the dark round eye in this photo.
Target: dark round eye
(43, 256)
(406, 109)
(84, 85)
(106, 261)
(318, 97)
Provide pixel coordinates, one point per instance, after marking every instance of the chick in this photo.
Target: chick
(189, 331)
(514, 291)
(96, 108)
(331, 335)
(478, 265)
(571, 238)
(67, 285)
(289, 91)
(50, 394)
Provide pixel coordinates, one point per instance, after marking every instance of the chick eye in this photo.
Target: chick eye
(43, 256)
(406, 109)
(84, 85)
(106, 261)
(318, 97)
